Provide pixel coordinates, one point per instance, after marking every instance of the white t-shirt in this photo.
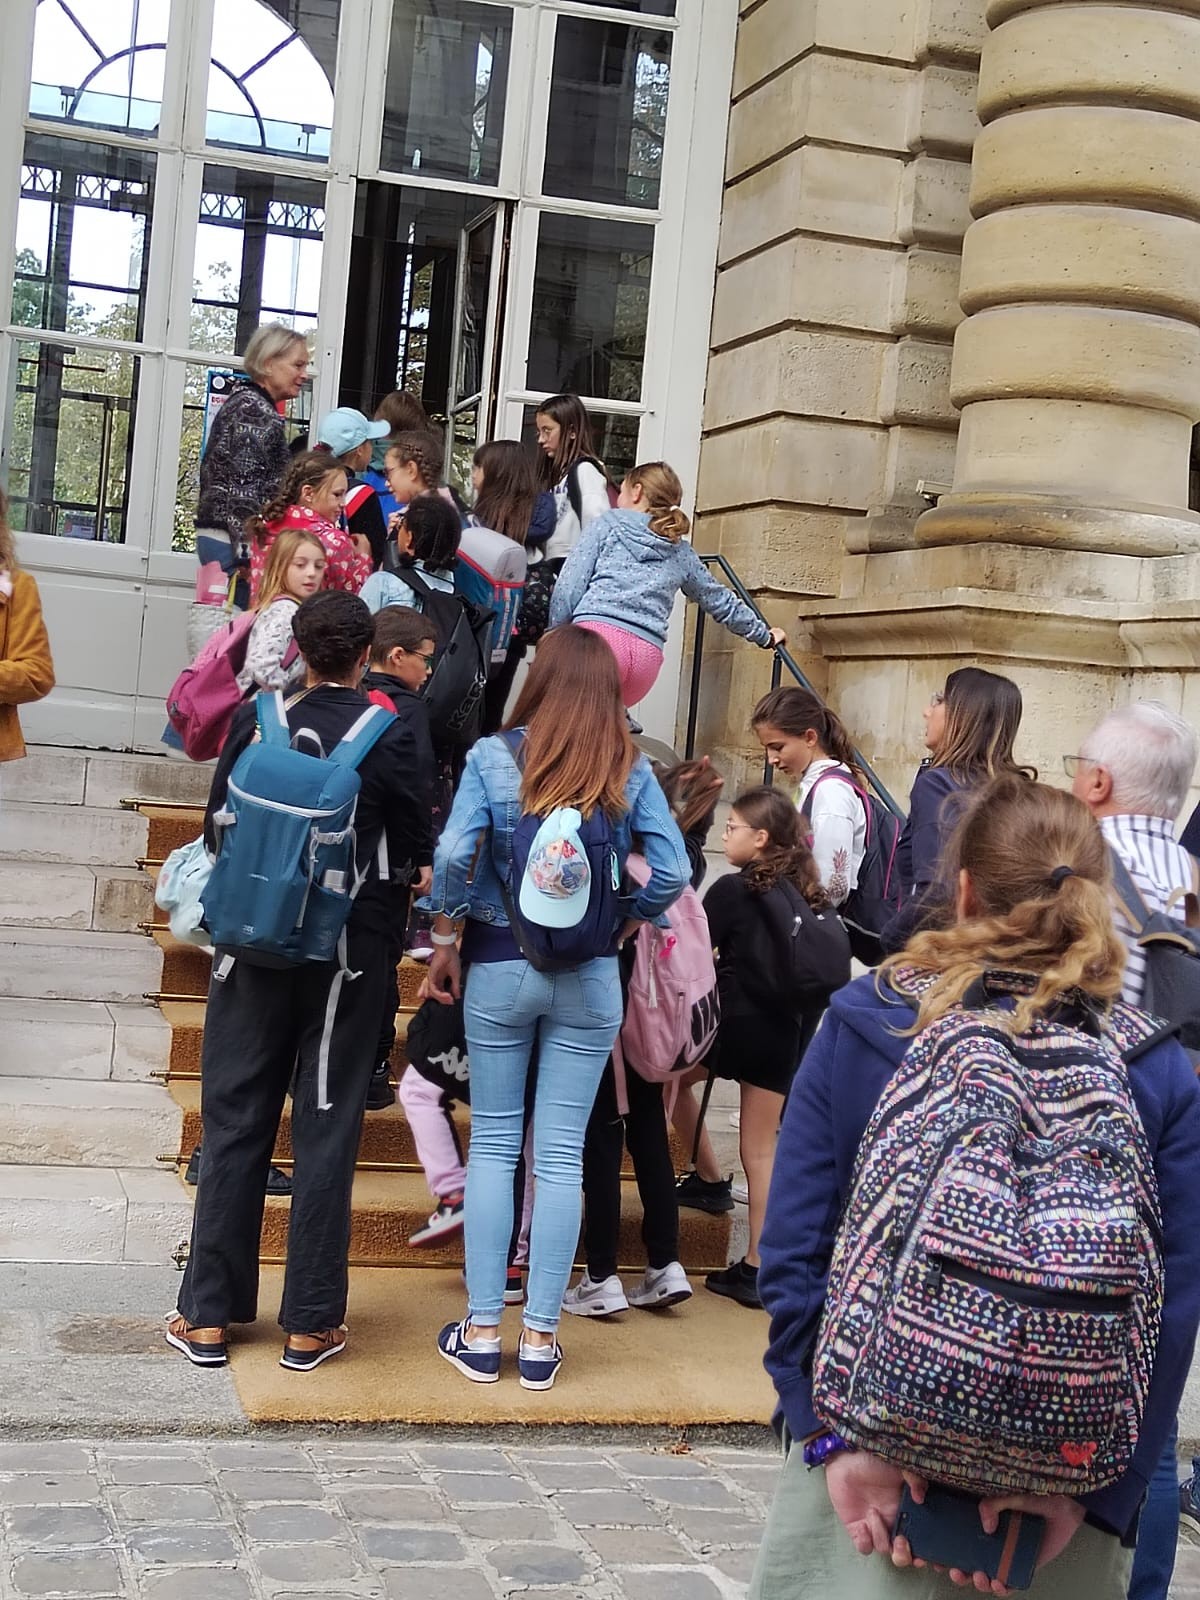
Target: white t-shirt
(838, 821)
(593, 503)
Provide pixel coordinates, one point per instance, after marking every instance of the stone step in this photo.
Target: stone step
(186, 1021)
(56, 1122)
(64, 964)
(82, 1040)
(389, 1206)
(91, 1214)
(53, 894)
(85, 835)
(50, 775)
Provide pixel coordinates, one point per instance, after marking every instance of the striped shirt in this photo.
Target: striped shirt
(1159, 865)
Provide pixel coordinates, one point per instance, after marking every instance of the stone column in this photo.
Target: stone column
(1077, 370)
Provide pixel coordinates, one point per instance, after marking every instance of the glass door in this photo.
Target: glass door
(475, 351)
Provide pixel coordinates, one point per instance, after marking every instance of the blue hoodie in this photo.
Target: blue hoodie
(841, 1078)
(624, 574)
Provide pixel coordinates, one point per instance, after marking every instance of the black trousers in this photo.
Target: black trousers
(645, 1132)
(499, 686)
(262, 1024)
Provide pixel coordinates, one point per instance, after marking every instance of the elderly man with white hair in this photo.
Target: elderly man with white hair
(1133, 772)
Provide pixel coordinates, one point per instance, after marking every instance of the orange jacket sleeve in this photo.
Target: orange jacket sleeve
(26, 667)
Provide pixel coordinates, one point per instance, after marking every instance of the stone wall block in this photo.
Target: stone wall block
(1108, 53)
(767, 39)
(1103, 155)
(823, 97)
(952, 30)
(830, 282)
(927, 287)
(1053, 447)
(811, 373)
(790, 549)
(917, 384)
(1107, 255)
(1075, 352)
(781, 31)
(934, 205)
(917, 455)
(946, 116)
(818, 190)
(809, 462)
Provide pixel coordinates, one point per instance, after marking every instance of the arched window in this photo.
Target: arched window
(267, 89)
(100, 63)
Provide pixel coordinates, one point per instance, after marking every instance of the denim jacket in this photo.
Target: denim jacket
(474, 855)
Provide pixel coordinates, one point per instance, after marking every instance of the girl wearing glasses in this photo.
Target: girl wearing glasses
(970, 729)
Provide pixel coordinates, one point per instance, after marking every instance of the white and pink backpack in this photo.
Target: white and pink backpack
(672, 1007)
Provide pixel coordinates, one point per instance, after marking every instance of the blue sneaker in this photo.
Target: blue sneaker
(1189, 1506)
(538, 1365)
(477, 1359)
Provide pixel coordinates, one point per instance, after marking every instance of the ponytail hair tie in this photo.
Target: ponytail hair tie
(675, 508)
(1060, 874)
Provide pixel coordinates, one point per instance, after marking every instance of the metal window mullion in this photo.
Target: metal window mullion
(147, 427)
(483, 192)
(15, 77)
(538, 105)
(518, 315)
(199, 55)
(170, 435)
(520, 92)
(374, 87)
(354, 35)
(175, 77)
(165, 264)
(608, 408)
(335, 286)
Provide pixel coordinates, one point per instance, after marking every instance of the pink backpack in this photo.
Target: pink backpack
(205, 695)
(672, 1008)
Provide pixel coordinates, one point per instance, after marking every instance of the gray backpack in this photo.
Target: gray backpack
(1172, 952)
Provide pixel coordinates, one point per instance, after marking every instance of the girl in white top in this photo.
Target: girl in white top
(295, 569)
(806, 740)
(571, 470)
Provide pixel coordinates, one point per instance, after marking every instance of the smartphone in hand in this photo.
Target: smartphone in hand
(946, 1532)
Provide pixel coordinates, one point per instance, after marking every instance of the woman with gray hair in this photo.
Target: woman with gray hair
(247, 451)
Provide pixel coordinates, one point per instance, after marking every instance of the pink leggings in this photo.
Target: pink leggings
(638, 661)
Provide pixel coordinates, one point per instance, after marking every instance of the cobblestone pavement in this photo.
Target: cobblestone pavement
(345, 1517)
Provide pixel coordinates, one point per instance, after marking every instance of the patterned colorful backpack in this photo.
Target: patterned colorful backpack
(994, 1297)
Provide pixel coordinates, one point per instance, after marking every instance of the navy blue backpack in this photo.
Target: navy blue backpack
(558, 949)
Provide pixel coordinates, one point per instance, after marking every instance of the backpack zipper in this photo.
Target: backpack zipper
(1026, 1294)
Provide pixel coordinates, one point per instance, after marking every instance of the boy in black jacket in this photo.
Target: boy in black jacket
(402, 652)
(265, 1023)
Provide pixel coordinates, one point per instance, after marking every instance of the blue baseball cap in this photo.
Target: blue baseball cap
(345, 429)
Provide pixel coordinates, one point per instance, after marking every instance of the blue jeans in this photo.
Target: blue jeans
(1154, 1558)
(573, 1017)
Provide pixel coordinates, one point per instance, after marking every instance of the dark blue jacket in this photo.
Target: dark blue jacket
(840, 1080)
(932, 817)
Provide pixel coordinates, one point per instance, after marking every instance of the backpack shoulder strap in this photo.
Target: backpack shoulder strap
(1132, 900)
(415, 581)
(574, 492)
(512, 740)
(273, 726)
(362, 737)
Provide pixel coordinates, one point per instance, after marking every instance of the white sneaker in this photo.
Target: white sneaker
(588, 1299)
(741, 1193)
(661, 1286)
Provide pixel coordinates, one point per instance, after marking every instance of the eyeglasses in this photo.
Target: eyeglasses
(738, 827)
(1072, 764)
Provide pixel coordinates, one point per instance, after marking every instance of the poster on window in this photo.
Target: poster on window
(217, 390)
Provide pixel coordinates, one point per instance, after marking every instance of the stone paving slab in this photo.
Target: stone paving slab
(156, 1518)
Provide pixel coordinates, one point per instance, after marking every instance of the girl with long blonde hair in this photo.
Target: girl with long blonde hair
(1031, 943)
(567, 745)
(622, 578)
(295, 569)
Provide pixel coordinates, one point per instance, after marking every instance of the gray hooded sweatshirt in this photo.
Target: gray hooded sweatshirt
(623, 574)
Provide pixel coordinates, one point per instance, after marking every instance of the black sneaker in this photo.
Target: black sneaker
(1189, 1507)
(191, 1173)
(278, 1182)
(382, 1091)
(696, 1192)
(737, 1282)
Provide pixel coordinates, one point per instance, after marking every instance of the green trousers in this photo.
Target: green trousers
(806, 1554)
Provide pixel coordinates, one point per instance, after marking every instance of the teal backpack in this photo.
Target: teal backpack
(285, 877)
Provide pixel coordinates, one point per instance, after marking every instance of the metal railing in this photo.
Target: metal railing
(781, 660)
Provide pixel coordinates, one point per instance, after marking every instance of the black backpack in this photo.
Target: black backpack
(791, 958)
(876, 897)
(1172, 951)
(454, 690)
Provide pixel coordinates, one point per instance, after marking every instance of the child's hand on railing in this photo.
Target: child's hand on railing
(778, 639)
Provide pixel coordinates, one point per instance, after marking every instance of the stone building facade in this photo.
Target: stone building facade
(954, 368)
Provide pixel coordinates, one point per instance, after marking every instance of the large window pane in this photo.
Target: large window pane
(258, 256)
(446, 79)
(591, 295)
(83, 237)
(70, 430)
(100, 62)
(648, 8)
(608, 112)
(270, 82)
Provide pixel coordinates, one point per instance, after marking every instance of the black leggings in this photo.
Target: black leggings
(645, 1132)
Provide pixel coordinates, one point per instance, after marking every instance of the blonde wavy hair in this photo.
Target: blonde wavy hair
(8, 545)
(1030, 917)
(663, 491)
(279, 559)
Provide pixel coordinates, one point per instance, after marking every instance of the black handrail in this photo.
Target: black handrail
(781, 658)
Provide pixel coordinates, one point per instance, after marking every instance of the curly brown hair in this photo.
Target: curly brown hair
(1029, 915)
(787, 855)
(307, 471)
